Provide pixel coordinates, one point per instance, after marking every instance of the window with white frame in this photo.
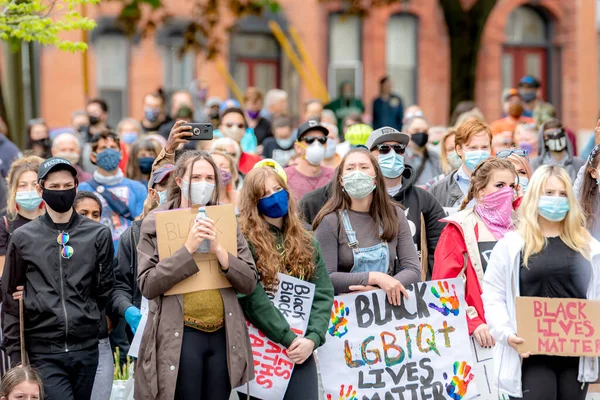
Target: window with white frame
(112, 65)
(401, 56)
(345, 58)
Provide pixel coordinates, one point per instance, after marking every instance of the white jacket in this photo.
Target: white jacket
(500, 289)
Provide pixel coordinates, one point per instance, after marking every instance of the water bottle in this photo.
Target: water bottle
(205, 245)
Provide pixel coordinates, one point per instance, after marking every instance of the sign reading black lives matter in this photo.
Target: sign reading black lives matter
(416, 351)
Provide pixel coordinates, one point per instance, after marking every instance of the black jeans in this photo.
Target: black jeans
(551, 378)
(203, 372)
(67, 376)
(304, 383)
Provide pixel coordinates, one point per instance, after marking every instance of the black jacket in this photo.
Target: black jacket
(63, 298)
(414, 200)
(127, 292)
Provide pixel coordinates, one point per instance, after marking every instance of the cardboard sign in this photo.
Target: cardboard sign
(172, 229)
(559, 327)
(416, 351)
(272, 367)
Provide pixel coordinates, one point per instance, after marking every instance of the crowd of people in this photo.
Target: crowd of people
(327, 198)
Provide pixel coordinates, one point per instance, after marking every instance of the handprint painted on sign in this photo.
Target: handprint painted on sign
(339, 321)
(459, 384)
(449, 303)
(350, 394)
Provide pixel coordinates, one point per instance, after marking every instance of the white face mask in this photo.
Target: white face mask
(331, 148)
(202, 192)
(233, 132)
(70, 156)
(315, 153)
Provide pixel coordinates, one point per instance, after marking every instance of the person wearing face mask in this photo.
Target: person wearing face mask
(97, 111)
(513, 108)
(205, 356)
(551, 254)
(332, 158)
(122, 198)
(253, 103)
(365, 237)
(555, 149)
(426, 163)
(586, 188)
(234, 126)
(66, 146)
(280, 243)
(154, 111)
(141, 157)
(38, 138)
(466, 242)
(61, 336)
(519, 159)
(309, 175)
(472, 142)
(280, 147)
(533, 106)
(345, 104)
(229, 175)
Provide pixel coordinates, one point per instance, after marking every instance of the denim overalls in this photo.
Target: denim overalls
(369, 259)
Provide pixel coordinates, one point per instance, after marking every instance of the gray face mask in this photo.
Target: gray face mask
(201, 192)
(358, 185)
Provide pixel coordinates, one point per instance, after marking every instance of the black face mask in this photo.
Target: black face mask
(45, 143)
(60, 201)
(93, 120)
(420, 138)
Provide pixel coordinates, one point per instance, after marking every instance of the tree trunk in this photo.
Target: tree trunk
(12, 87)
(465, 29)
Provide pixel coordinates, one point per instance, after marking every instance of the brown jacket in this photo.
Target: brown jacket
(158, 362)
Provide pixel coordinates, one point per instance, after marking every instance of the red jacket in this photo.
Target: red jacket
(448, 263)
(247, 162)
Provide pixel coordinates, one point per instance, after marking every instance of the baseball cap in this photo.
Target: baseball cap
(386, 134)
(161, 174)
(213, 102)
(311, 125)
(270, 163)
(55, 164)
(358, 134)
(529, 81)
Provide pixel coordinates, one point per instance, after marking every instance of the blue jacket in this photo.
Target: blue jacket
(388, 113)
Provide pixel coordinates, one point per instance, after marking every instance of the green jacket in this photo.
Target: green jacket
(259, 310)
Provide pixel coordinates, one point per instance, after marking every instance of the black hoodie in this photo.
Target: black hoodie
(414, 200)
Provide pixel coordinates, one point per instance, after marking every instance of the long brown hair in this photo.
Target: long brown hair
(589, 188)
(382, 207)
(189, 158)
(17, 375)
(482, 174)
(133, 165)
(17, 168)
(297, 259)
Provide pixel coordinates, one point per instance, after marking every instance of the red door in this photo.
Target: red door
(263, 74)
(521, 61)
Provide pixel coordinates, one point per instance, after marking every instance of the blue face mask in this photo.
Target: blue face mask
(29, 200)
(109, 159)
(553, 208)
(151, 114)
(145, 164)
(523, 182)
(129, 137)
(162, 197)
(391, 164)
(285, 143)
(275, 205)
(472, 158)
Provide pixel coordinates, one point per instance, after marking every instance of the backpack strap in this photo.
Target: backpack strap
(115, 203)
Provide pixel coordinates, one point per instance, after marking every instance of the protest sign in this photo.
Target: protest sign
(172, 229)
(559, 327)
(485, 374)
(416, 351)
(272, 367)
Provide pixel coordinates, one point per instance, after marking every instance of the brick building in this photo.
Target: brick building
(553, 39)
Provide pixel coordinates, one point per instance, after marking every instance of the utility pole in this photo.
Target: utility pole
(12, 85)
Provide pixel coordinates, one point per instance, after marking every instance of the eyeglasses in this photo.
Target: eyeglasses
(553, 133)
(230, 125)
(311, 139)
(66, 251)
(507, 153)
(386, 148)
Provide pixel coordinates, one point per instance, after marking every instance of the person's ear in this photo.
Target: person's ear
(298, 148)
(593, 173)
(39, 189)
(178, 181)
(154, 195)
(93, 158)
(460, 151)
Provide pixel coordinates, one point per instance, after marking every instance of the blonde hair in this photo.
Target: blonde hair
(25, 164)
(17, 375)
(522, 162)
(444, 164)
(572, 228)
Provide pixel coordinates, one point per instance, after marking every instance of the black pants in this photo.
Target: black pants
(304, 383)
(203, 373)
(551, 378)
(67, 376)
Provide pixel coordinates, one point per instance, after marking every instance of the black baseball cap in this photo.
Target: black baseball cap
(311, 125)
(55, 164)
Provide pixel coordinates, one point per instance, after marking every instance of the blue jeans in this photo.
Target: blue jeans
(105, 372)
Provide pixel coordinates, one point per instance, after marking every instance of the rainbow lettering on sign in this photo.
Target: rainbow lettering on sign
(458, 385)
(350, 394)
(338, 319)
(450, 303)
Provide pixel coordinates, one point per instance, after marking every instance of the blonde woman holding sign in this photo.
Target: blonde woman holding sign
(194, 346)
(548, 256)
(279, 243)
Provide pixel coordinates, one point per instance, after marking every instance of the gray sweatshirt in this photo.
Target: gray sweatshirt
(338, 255)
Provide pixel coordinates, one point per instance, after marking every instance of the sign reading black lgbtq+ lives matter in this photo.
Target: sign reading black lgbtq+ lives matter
(419, 350)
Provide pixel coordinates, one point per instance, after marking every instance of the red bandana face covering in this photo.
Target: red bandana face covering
(495, 210)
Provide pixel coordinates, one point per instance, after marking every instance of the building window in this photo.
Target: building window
(401, 55)
(178, 70)
(112, 64)
(345, 58)
(257, 61)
